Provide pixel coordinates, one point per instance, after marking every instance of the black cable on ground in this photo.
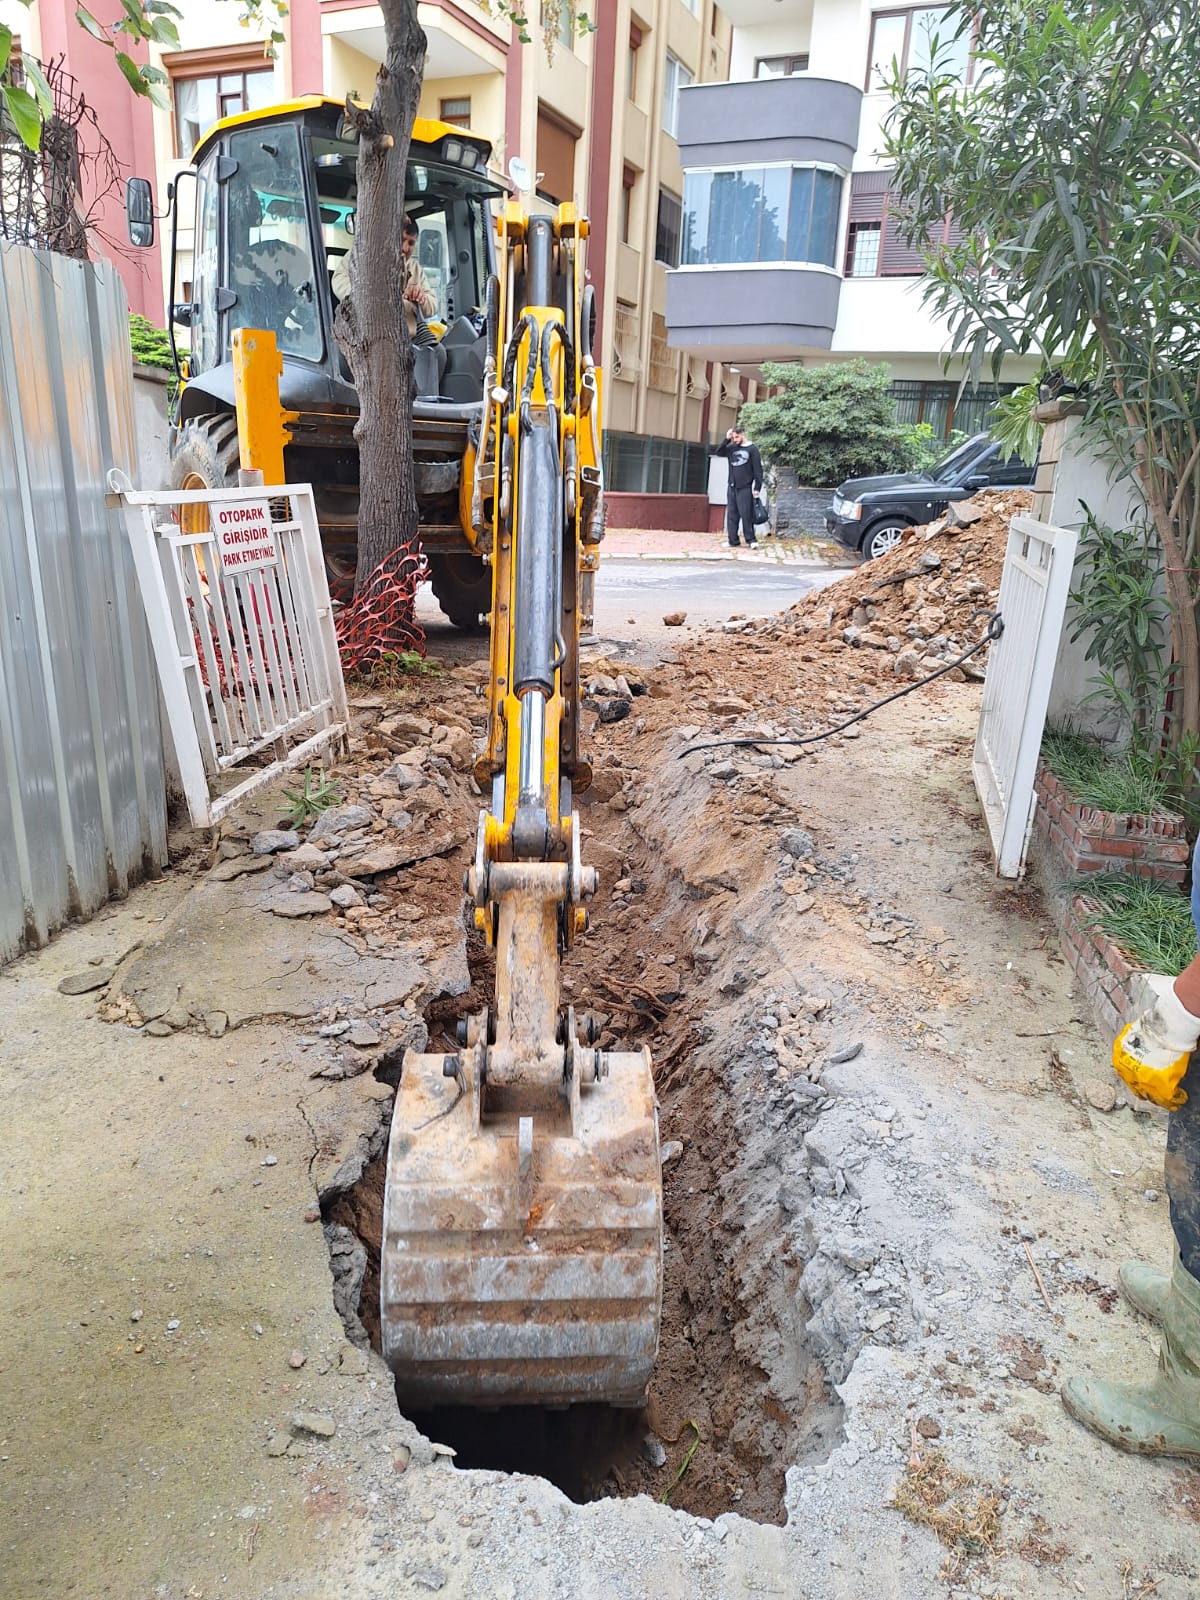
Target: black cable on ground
(991, 632)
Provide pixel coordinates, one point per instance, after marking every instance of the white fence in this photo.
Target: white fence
(83, 811)
(233, 582)
(1016, 692)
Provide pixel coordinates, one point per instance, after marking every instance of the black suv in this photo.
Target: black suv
(870, 514)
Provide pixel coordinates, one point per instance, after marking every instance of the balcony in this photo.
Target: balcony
(765, 165)
(771, 119)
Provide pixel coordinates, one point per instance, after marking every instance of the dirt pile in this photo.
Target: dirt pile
(919, 606)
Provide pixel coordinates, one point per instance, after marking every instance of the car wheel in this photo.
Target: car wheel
(881, 538)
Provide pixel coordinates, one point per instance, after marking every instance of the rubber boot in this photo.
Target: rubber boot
(1145, 1287)
(1162, 1417)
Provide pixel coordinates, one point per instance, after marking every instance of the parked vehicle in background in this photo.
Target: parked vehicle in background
(870, 514)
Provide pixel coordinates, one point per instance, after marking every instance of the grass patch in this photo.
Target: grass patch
(1121, 784)
(965, 1517)
(1151, 921)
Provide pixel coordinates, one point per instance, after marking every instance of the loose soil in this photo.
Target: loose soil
(634, 975)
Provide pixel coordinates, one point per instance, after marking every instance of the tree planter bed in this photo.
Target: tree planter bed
(1081, 839)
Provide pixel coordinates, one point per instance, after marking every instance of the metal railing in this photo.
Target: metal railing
(234, 587)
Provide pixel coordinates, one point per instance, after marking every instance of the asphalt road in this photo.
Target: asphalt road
(633, 596)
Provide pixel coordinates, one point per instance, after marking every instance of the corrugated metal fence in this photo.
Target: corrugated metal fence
(82, 794)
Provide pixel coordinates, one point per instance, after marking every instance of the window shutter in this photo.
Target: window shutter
(555, 158)
(897, 259)
(868, 191)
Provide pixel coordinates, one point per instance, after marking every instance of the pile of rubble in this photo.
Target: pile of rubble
(919, 606)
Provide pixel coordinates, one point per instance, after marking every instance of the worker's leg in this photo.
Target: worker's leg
(1182, 1171)
(1162, 1417)
(745, 505)
(731, 516)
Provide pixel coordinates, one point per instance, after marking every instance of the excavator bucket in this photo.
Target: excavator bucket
(522, 1254)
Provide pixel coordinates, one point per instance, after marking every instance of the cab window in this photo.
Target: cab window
(267, 239)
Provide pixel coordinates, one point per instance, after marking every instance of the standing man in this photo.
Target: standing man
(745, 481)
(1157, 1057)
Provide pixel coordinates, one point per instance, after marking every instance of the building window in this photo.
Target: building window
(631, 61)
(780, 66)
(556, 19)
(627, 335)
(693, 6)
(871, 208)
(456, 112)
(753, 214)
(664, 366)
(862, 249)
(201, 101)
(669, 231)
(555, 158)
(636, 464)
(628, 184)
(944, 408)
(907, 39)
(675, 77)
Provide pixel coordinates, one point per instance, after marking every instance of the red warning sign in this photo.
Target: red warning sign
(245, 537)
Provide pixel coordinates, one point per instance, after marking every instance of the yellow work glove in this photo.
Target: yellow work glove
(1152, 1053)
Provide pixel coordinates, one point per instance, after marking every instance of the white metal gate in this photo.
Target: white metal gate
(233, 582)
(1016, 691)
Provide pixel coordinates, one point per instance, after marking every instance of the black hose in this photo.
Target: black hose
(992, 631)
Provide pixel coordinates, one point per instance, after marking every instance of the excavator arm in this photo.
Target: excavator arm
(522, 1238)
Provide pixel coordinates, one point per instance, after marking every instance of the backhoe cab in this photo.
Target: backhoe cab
(275, 205)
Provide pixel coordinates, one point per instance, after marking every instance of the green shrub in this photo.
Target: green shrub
(151, 345)
(1151, 921)
(829, 423)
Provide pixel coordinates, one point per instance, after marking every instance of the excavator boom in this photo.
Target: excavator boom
(522, 1238)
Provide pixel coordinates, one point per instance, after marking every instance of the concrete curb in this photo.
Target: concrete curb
(779, 558)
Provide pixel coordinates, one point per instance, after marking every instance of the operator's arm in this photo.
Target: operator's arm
(756, 468)
(426, 301)
(1153, 1052)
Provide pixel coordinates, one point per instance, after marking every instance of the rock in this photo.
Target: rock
(929, 1428)
(426, 1577)
(316, 1423)
(729, 705)
(671, 1151)
(296, 1360)
(362, 1034)
(353, 1363)
(345, 895)
(176, 1016)
(798, 843)
(333, 1030)
(603, 685)
(301, 880)
(279, 1444)
(457, 745)
(653, 1452)
(1101, 1096)
(846, 1053)
(340, 819)
(307, 859)
(613, 710)
(85, 982)
(723, 771)
(907, 664)
(852, 636)
(406, 726)
(158, 1029)
(238, 866)
(396, 817)
(674, 619)
(623, 689)
(307, 904)
(272, 840)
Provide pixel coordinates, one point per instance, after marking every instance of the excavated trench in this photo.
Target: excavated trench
(732, 1373)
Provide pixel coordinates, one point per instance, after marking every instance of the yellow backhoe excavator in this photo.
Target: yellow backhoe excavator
(522, 1240)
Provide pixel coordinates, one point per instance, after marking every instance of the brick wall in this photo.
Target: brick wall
(1102, 967)
(1086, 840)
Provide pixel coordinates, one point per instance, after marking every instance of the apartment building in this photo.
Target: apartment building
(596, 119)
(789, 250)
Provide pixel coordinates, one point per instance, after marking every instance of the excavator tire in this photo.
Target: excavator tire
(205, 457)
(463, 586)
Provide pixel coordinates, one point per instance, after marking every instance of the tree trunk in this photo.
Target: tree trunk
(1179, 591)
(371, 325)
